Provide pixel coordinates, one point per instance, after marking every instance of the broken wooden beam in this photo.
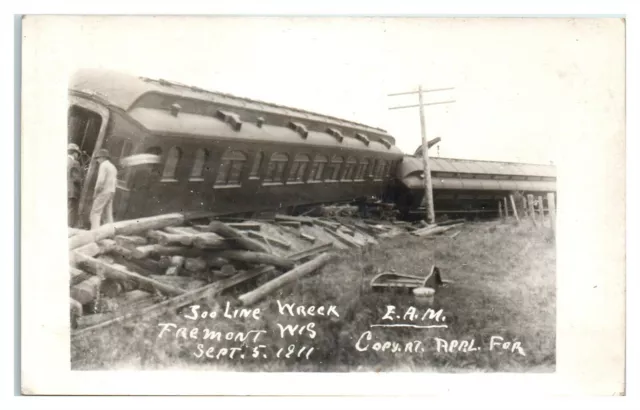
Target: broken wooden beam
(252, 257)
(307, 237)
(128, 227)
(305, 220)
(245, 226)
(208, 240)
(78, 275)
(433, 231)
(130, 240)
(270, 239)
(313, 251)
(302, 270)
(344, 239)
(451, 222)
(236, 236)
(167, 239)
(87, 290)
(184, 299)
(290, 224)
(100, 268)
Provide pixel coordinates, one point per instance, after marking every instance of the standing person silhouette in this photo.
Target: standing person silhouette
(102, 208)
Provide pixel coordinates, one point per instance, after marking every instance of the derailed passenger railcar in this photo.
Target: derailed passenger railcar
(462, 186)
(219, 153)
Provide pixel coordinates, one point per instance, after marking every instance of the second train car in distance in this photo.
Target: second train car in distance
(219, 153)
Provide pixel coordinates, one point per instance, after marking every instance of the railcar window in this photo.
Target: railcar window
(275, 170)
(379, 169)
(231, 167)
(300, 164)
(349, 168)
(171, 164)
(257, 162)
(200, 159)
(317, 169)
(362, 167)
(333, 170)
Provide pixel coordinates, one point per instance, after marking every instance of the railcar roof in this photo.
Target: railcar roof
(456, 165)
(186, 124)
(124, 90)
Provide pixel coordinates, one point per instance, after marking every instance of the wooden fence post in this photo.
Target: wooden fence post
(506, 207)
(552, 211)
(541, 209)
(524, 206)
(500, 213)
(532, 212)
(513, 205)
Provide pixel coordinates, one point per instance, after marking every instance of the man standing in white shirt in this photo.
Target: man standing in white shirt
(105, 190)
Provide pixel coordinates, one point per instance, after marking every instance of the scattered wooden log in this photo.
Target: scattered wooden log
(290, 224)
(434, 231)
(513, 207)
(347, 239)
(532, 213)
(111, 288)
(135, 296)
(304, 220)
(245, 226)
(127, 252)
(75, 307)
(341, 237)
(237, 237)
(78, 275)
(216, 262)
(306, 237)
(311, 252)
(129, 227)
(210, 241)
(305, 269)
(195, 264)
(167, 239)
(87, 290)
(453, 235)
(145, 251)
(227, 270)
(269, 239)
(182, 282)
(176, 265)
(100, 268)
(145, 267)
(130, 240)
(179, 301)
(252, 257)
(551, 201)
(326, 224)
(451, 222)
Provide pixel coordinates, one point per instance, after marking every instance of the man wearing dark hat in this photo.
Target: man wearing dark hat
(102, 208)
(74, 182)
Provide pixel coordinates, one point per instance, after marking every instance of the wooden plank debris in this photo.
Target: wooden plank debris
(270, 239)
(180, 300)
(236, 236)
(256, 258)
(311, 252)
(101, 268)
(306, 268)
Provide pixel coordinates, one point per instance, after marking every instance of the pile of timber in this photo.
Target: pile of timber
(169, 261)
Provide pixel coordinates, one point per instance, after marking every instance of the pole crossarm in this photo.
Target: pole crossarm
(424, 91)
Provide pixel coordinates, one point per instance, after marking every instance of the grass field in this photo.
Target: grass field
(504, 286)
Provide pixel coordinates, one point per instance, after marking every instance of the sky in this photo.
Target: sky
(519, 84)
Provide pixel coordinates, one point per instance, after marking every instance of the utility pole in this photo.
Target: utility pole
(428, 190)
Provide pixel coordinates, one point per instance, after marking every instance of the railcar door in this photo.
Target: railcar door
(87, 124)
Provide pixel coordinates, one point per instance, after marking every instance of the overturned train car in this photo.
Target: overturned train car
(219, 153)
(467, 187)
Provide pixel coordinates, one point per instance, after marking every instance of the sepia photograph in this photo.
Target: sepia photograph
(327, 195)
